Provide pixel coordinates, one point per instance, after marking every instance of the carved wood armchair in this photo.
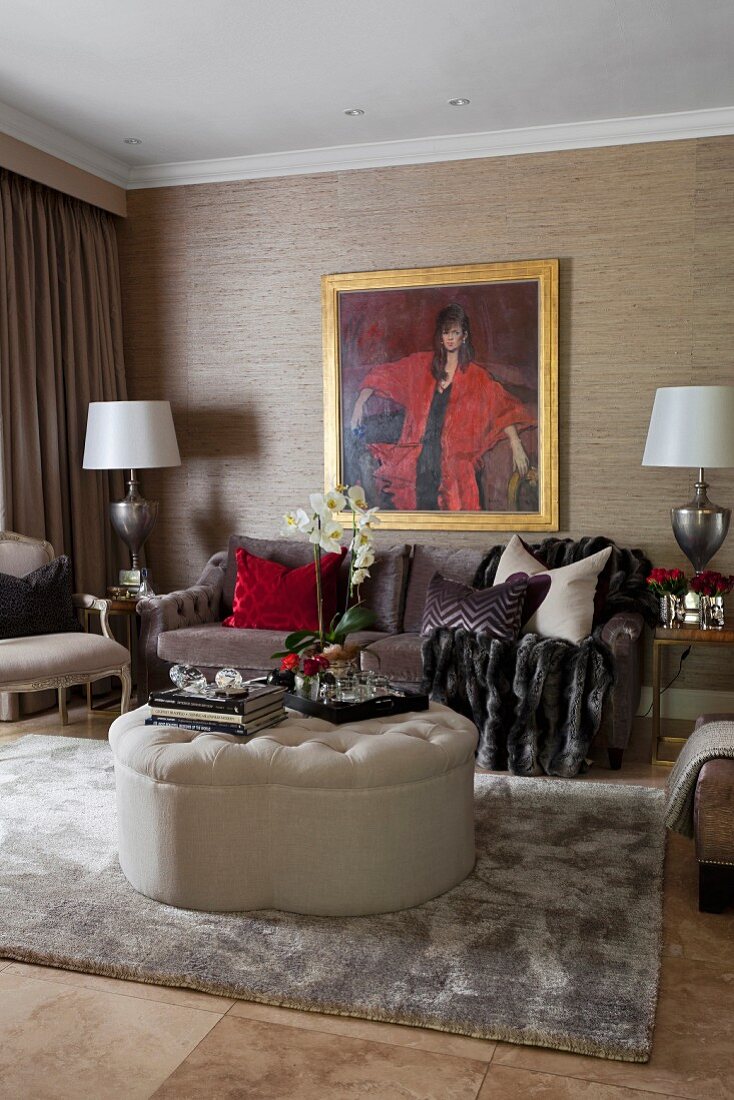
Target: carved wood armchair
(58, 661)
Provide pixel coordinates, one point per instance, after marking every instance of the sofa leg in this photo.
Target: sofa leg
(615, 759)
(715, 887)
(63, 713)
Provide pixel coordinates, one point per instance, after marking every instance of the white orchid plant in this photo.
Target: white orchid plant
(320, 525)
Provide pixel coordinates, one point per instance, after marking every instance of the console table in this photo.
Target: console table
(679, 635)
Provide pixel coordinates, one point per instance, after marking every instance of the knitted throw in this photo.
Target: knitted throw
(537, 702)
(715, 739)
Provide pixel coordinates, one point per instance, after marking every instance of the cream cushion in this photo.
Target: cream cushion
(568, 610)
(59, 655)
(305, 816)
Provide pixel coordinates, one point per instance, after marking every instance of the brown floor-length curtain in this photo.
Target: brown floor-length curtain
(60, 348)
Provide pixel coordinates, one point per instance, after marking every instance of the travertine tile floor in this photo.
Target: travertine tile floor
(67, 1035)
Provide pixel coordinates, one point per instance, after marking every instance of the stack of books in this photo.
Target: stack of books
(244, 713)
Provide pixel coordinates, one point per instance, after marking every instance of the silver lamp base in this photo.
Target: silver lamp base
(133, 519)
(700, 526)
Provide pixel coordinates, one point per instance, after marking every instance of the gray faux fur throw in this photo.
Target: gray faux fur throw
(537, 702)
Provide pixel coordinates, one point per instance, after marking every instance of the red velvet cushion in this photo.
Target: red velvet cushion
(268, 596)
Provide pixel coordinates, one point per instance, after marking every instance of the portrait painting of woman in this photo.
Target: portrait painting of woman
(440, 396)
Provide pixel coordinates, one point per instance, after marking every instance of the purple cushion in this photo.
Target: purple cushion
(496, 611)
(538, 588)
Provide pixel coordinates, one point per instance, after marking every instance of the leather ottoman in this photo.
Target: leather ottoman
(714, 828)
(305, 816)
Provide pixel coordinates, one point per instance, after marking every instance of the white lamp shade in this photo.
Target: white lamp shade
(691, 426)
(130, 435)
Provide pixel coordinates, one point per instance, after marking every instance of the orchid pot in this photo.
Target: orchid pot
(342, 658)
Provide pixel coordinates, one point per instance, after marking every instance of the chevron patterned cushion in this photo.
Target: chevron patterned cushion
(495, 611)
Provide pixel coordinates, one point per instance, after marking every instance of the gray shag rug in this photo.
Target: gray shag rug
(553, 940)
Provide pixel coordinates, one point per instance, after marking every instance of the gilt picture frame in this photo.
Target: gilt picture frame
(441, 394)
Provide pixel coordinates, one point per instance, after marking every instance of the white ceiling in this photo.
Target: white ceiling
(213, 79)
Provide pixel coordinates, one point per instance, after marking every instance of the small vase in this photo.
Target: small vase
(669, 609)
(719, 610)
(308, 687)
(711, 612)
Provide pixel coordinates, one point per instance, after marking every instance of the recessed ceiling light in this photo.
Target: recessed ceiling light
(459, 102)
(354, 112)
(133, 141)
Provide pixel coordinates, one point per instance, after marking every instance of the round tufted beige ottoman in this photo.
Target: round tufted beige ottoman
(306, 816)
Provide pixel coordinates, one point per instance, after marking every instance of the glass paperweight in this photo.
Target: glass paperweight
(188, 678)
(230, 680)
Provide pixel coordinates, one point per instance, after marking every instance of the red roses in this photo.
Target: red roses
(667, 582)
(710, 583)
(312, 665)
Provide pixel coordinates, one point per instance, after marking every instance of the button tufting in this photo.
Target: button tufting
(233, 788)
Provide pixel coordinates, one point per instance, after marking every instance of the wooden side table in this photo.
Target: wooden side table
(679, 635)
(124, 609)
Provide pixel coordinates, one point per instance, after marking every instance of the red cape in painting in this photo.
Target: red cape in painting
(479, 411)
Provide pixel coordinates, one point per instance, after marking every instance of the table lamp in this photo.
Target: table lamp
(694, 426)
(131, 435)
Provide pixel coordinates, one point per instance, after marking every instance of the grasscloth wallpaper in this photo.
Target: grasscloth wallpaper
(222, 315)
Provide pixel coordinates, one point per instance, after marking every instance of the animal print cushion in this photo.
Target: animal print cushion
(39, 603)
(496, 611)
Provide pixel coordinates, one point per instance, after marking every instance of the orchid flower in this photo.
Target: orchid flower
(297, 522)
(362, 538)
(325, 534)
(319, 506)
(332, 534)
(335, 500)
(368, 519)
(357, 499)
(364, 558)
(290, 524)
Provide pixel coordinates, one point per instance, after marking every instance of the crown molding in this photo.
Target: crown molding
(58, 144)
(714, 122)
